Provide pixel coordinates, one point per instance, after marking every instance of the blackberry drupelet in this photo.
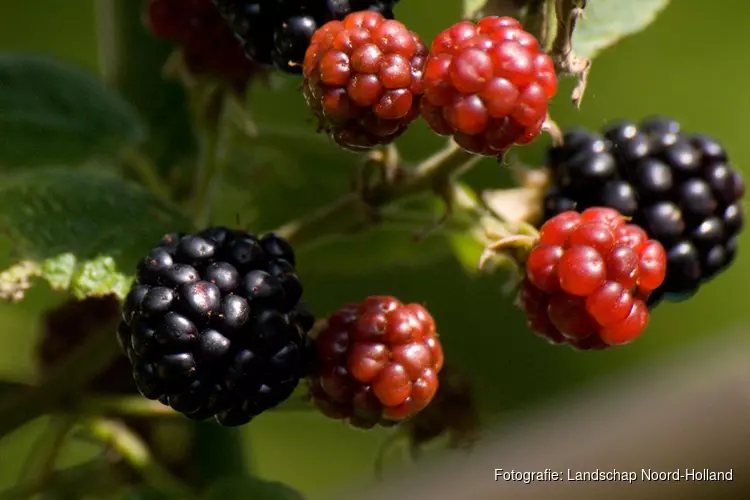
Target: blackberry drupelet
(680, 187)
(278, 32)
(213, 325)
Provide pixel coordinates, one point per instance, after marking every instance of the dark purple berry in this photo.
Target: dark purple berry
(220, 330)
(680, 188)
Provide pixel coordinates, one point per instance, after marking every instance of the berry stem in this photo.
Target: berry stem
(24, 405)
(122, 406)
(353, 210)
(134, 451)
(539, 21)
(145, 171)
(213, 115)
(568, 12)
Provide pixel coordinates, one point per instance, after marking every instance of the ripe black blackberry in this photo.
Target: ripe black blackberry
(213, 325)
(679, 187)
(278, 32)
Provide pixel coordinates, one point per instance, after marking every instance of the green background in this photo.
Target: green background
(689, 64)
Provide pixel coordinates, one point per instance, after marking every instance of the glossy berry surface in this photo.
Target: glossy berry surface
(363, 79)
(378, 362)
(487, 85)
(208, 44)
(213, 325)
(588, 277)
(679, 187)
(278, 32)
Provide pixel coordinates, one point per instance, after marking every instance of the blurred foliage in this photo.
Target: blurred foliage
(672, 68)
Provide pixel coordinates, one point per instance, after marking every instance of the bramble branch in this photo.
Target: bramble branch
(355, 210)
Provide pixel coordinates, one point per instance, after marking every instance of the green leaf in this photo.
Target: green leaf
(248, 488)
(81, 231)
(52, 113)
(606, 22)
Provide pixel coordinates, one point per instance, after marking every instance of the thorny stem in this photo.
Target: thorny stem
(566, 61)
(135, 452)
(353, 211)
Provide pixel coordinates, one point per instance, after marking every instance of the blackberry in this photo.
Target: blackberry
(680, 187)
(377, 362)
(278, 32)
(213, 325)
(366, 92)
(487, 84)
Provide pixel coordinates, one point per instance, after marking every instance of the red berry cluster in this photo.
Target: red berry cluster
(363, 79)
(587, 279)
(208, 43)
(487, 84)
(378, 362)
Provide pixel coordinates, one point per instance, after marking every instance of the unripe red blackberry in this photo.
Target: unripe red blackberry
(487, 85)
(363, 79)
(378, 362)
(681, 188)
(588, 277)
(213, 324)
(208, 44)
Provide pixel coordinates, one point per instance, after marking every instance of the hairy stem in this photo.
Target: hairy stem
(354, 210)
(134, 451)
(68, 375)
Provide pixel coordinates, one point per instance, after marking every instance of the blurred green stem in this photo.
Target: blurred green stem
(351, 210)
(134, 451)
(212, 108)
(146, 172)
(40, 462)
(66, 377)
(131, 60)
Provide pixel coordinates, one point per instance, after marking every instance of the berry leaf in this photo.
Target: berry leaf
(80, 231)
(51, 112)
(606, 22)
(248, 487)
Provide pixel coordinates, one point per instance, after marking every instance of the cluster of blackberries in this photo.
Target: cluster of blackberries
(213, 325)
(679, 187)
(278, 32)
